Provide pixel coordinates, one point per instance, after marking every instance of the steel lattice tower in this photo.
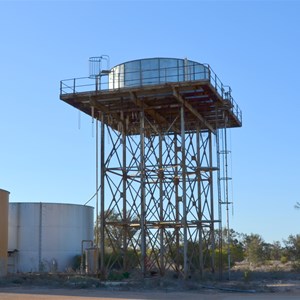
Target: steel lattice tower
(159, 162)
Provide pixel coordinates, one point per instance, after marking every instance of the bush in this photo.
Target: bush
(296, 266)
(284, 259)
(254, 245)
(117, 276)
(76, 265)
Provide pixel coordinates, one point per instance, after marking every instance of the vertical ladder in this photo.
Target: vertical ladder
(223, 189)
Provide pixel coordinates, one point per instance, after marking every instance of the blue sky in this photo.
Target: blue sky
(47, 149)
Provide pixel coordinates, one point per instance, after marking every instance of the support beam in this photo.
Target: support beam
(184, 198)
(192, 110)
(158, 118)
(97, 194)
(102, 199)
(200, 226)
(176, 188)
(161, 207)
(142, 193)
(124, 195)
(212, 225)
(103, 108)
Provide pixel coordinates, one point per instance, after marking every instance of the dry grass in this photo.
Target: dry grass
(271, 277)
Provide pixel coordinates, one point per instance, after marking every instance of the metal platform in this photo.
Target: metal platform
(207, 101)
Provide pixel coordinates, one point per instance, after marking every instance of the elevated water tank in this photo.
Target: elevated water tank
(4, 195)
(47, 236)
(152, 71)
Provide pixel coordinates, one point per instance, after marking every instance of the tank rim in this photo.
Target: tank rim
(2, 190)
(156, 57)
(51, 203)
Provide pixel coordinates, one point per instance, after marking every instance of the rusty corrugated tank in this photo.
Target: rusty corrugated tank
(4, 196)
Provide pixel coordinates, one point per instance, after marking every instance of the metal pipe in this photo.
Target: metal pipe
(142, 184)
(176, 183)
(97, 185)
(124, 181)
(212, 227)
(199, 203)
(219, 204)
(102, 174)
(184, 204)
(81, 262)
(227, 198)
(161, 206)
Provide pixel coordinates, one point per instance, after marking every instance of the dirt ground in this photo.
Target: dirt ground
(54, 287)
(91, 294)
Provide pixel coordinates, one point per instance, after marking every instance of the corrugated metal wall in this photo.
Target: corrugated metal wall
(47, 236)
(4, 195)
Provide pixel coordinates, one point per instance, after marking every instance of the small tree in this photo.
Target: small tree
(254, 248)
(292, 247)
(229, 244)
(276, 251)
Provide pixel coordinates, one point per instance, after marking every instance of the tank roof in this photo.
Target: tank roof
(156, 57)
(50, 203)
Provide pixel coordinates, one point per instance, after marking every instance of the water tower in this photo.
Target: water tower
(162, 163)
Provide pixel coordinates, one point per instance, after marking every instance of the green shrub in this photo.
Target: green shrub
(283, 259)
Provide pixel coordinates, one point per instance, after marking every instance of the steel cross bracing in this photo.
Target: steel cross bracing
(158, 199)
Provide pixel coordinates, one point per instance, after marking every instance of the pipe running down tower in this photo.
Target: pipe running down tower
(159, 167)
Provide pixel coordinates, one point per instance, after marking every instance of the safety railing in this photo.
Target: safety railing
(113, 80)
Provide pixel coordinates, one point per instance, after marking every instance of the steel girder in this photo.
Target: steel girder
(157, 199)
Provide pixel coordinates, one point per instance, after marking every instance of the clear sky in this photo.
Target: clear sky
(47, 149)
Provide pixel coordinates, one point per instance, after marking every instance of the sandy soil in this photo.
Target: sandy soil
(91, 294)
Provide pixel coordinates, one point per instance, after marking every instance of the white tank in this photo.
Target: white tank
(45, 237)
(157, 70)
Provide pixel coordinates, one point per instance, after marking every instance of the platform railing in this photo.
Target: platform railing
(111, 80)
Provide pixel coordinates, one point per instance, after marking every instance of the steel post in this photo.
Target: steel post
(200, 228)
(161, 206)
(102, 198)
(184, 203)
(212, 227)
(142, 191)
(124, 194)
